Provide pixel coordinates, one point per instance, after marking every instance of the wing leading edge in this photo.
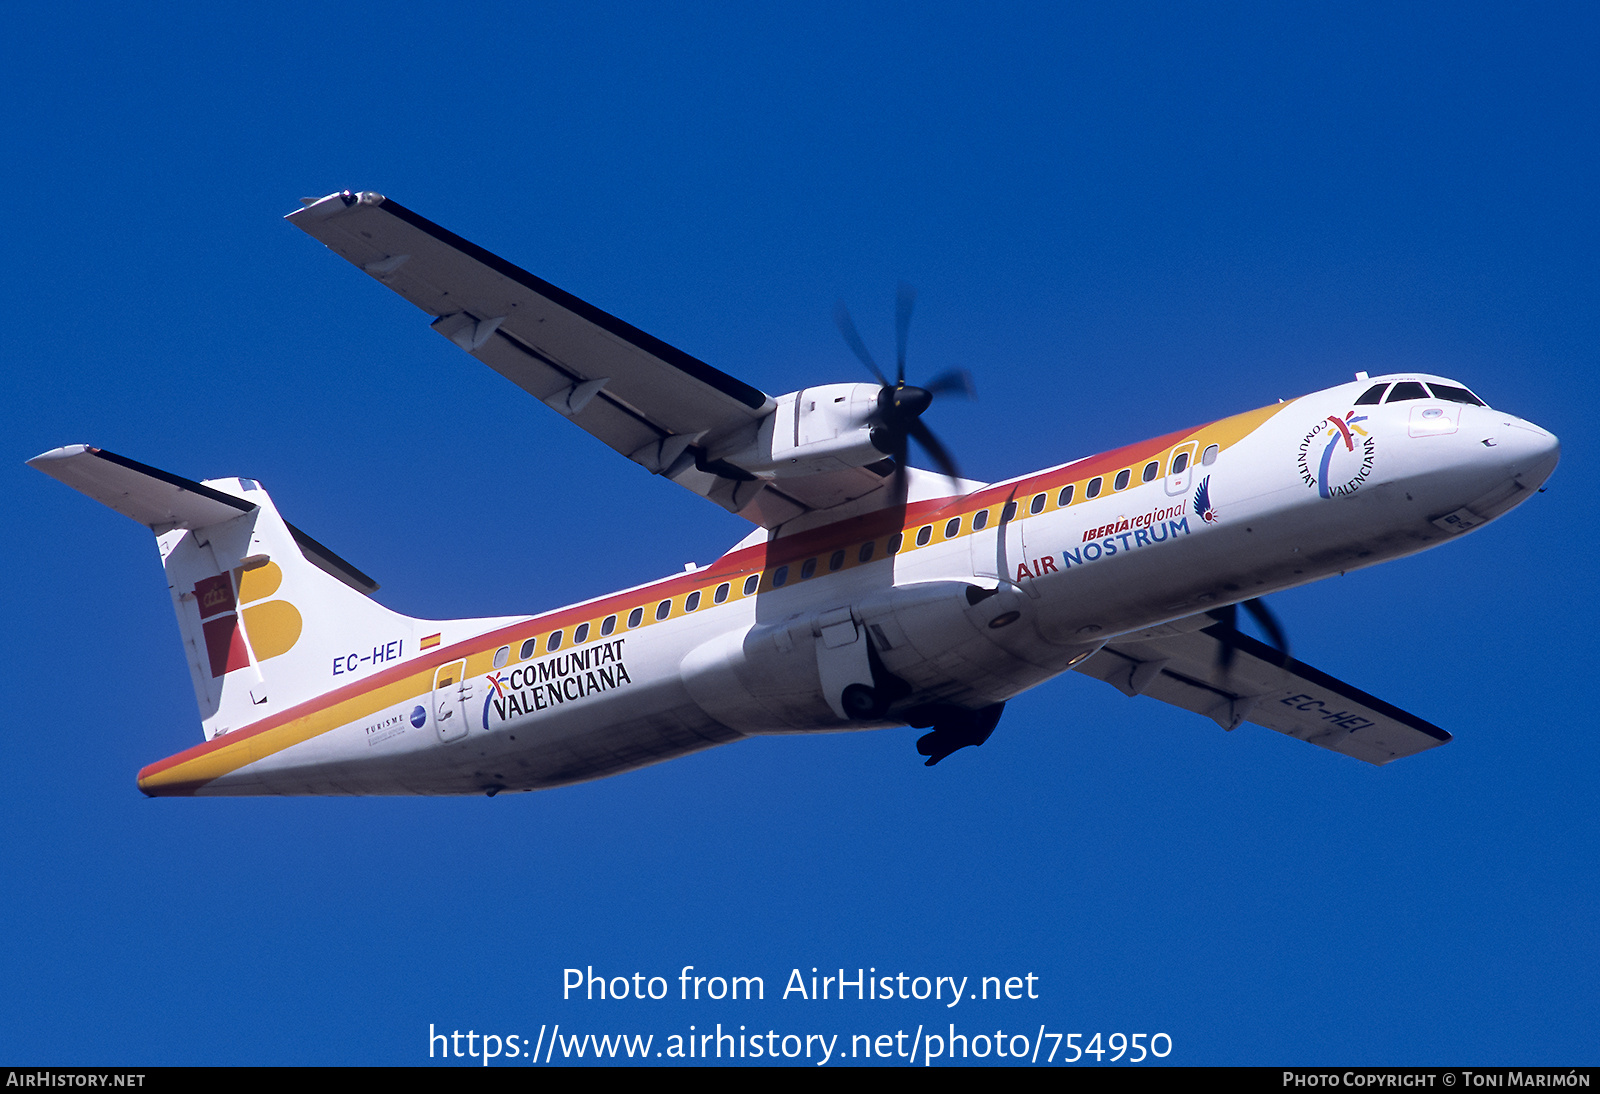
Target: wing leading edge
(654, 403)
(1182, 664)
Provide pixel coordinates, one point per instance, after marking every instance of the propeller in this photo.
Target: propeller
(897, 420)
(1229, 617)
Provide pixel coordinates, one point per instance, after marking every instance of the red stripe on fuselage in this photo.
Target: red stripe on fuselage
(752, 559)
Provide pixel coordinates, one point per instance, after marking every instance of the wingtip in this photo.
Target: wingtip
(66, 451)
(336, 202)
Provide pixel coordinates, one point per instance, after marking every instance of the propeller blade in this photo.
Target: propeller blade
(901, 484)
(958, 381)
(1228, 617)
(931, 445)
(841, 318)
(1268, 623)
(905, 300)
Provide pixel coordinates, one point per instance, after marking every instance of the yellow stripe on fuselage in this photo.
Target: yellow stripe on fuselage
(191, 769)
(186, 772)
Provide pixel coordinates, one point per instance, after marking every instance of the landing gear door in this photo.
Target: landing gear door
(1181, 469)
(449, 701)
(842, 659)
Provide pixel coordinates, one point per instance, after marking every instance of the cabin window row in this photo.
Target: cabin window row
(556, 639)
(1096, 486)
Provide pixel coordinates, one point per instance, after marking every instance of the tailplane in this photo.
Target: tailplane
(270, 617)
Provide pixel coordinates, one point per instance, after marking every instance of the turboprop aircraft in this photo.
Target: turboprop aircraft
(869, 594)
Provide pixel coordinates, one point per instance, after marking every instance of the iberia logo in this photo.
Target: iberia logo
(1342, 452)
(236, 628)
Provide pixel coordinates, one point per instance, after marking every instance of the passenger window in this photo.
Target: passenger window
(835, 560)
(1065, 497)
(980, 520)
(608, 625)
(581, 634)
(924, 534)
(779, 576)
(1455, 395)
(1093, 489)
(1405, 390)
(1209, 456)
(635, 617)
(527, 649)
(750, 583)
(1151, 470)
(895, 542)
(501, 656)
(807, 569)
(1180, 463)
(663, 609)
(1121, 481)
(692, 601)
(555, 641)
(865, 554)
(721, 594)
(952, 528)
(1372, 396)
(1037, 505)
(1009, 512)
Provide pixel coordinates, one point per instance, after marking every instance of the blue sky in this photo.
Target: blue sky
(1123, 221)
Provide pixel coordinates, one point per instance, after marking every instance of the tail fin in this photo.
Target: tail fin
(269, 616)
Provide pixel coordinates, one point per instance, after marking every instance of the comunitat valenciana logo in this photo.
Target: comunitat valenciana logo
(1337, 455)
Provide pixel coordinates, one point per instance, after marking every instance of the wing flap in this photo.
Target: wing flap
(1182, 664)
(162, 501)
(615, 423)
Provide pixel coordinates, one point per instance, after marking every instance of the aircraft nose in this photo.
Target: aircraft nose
(1528, 451)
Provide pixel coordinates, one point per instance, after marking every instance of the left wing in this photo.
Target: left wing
(1182, 663)
(652, 402)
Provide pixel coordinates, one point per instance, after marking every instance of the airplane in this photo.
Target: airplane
(869, 593)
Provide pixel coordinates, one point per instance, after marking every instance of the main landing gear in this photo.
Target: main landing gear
(953, 728)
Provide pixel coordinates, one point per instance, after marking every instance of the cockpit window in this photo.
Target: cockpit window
(1455, 395)
(1372, 396)
(1407, 389)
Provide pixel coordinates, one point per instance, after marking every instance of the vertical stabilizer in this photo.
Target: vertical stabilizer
(269, 617)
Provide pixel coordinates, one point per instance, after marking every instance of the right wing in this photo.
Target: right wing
(652, 402)
(1182, 664)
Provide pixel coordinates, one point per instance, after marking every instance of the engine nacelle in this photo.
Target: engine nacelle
(813, 430)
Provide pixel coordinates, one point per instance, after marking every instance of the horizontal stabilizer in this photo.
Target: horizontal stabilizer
(162, 501)
(1185, 664)
(158, 500)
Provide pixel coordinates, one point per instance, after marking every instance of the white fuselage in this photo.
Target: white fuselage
(966, 618)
